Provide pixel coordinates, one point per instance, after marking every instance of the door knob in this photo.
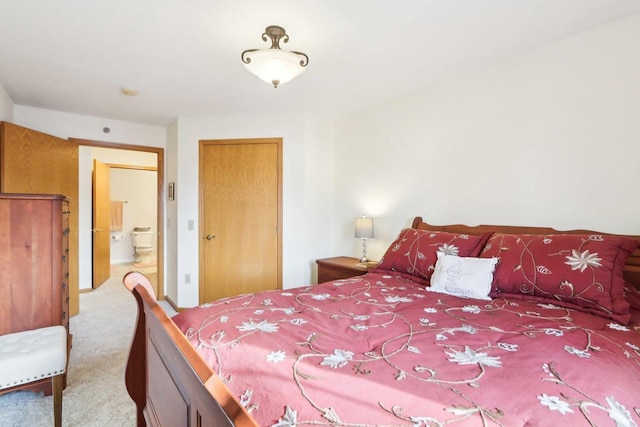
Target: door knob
(96, 230)
(210, 237)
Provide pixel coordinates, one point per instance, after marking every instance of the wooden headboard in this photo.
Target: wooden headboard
(631, 269)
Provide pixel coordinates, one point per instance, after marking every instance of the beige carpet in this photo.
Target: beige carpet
(95, 394)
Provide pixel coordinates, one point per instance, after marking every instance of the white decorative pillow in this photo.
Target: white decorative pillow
(464, 277)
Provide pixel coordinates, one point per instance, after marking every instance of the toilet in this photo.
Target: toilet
(142, 238)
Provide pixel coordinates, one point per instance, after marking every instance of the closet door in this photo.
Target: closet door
(36, 163)
(241, 244)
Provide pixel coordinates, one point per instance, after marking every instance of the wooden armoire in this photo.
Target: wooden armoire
(34, 264)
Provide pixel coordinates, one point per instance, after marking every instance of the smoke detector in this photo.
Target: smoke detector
(129, 91)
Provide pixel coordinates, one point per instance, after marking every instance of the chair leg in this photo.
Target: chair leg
(57, 400)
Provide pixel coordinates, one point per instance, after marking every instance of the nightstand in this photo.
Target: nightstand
(341, 267)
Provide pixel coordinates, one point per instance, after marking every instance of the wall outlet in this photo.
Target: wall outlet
(187, 278)
(190, 224)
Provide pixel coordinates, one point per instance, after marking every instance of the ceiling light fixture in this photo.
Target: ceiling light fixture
(274, 65)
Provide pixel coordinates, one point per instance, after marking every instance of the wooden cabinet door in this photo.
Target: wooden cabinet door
(32, 262)
(37, 163)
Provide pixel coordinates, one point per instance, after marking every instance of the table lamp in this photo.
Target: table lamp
(364, 231)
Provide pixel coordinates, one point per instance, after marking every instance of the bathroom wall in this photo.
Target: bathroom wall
(138, 190)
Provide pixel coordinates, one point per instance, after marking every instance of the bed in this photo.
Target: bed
(456, 325)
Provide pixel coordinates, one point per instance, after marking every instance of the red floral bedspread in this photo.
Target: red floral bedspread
(382, 350)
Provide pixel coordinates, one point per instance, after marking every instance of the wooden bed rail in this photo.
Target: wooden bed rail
(166, 378)
(631, 269)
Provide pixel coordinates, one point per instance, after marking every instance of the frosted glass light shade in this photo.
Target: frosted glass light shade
(364, 227)
(274, 66)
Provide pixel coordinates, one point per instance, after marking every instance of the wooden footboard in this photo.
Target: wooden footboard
(169, 382)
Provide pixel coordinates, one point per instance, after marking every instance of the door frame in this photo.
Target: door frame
(161, 195)
(204, 142)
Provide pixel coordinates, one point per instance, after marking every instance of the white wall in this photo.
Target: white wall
(85, 218)
(67, 125)
(549, 138)
(138, 189)
(6, 106)
(307, 190)
(171, 234)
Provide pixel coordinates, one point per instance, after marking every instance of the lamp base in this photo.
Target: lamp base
(364, 258)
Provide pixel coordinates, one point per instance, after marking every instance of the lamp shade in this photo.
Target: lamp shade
(274, 66)
(364, 227)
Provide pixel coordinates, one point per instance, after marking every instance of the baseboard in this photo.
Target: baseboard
(174, 305)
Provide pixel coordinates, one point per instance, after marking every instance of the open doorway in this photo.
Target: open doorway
(131, 168)
(125, 229)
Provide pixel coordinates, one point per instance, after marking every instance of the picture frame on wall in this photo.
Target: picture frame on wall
(172, 191)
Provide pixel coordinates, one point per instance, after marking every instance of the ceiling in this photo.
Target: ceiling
(183, 56)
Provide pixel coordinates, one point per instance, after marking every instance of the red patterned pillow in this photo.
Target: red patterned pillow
(414, 253)
(578, 271)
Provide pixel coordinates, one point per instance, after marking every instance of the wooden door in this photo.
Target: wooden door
(101, 199)
(36, 163)
(240, 248)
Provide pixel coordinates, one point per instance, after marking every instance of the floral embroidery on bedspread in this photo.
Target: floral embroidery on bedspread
(381, 350)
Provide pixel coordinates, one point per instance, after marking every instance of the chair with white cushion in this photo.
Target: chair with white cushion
(35, 355)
